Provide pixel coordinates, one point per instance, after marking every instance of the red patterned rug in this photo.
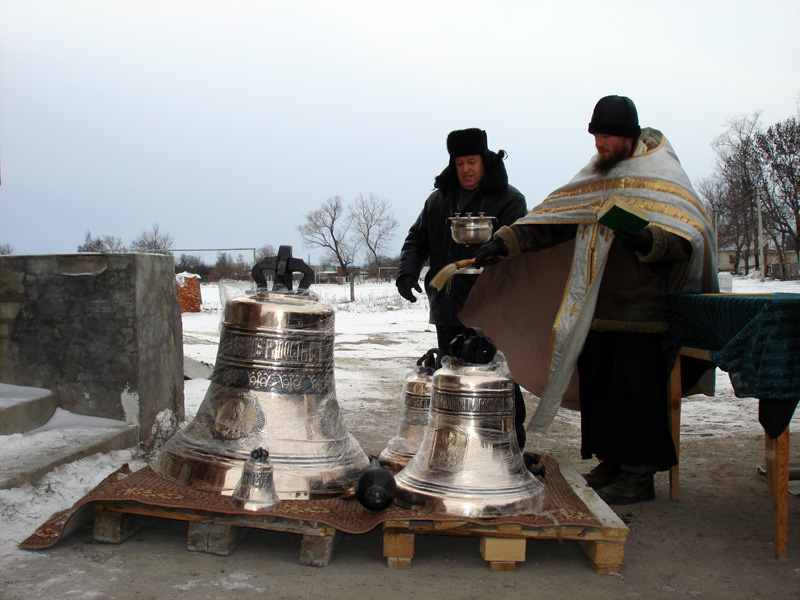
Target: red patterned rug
(562, 508)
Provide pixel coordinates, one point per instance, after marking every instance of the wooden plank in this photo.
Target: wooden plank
(503, 566)
(316, 551)
(504, 545)
(398, 563)
(398, 545)
(216, 533)
(695, 353)
(606, 557)
(213, 538)
(114, 528)
(611, 524)
(495, 549)
(254, 521)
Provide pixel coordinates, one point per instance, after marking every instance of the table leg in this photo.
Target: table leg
(777, 460)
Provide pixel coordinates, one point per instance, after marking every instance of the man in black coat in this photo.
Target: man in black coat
(475, 181)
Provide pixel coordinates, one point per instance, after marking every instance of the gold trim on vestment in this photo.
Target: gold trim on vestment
(625, 183)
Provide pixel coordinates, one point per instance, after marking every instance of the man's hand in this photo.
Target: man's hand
(638, 241)
(490, 253)
(406, 283)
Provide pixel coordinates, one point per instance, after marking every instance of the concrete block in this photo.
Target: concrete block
(103, 332)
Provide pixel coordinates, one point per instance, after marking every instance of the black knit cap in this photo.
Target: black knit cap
(615, 115)
(466, 142)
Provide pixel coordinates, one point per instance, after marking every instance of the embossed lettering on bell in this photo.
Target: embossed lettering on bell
(273, 386)
(469, 462)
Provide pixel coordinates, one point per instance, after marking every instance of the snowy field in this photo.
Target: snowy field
(405, 335)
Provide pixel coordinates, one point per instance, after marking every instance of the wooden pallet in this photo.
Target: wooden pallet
(503, 546)
(214, 533)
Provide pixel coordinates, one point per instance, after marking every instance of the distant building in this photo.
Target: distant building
(775, 269)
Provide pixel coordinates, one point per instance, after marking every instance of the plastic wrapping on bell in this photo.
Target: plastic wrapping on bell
(256, 488)
(414, 421)
(469, 462)
(273, 386)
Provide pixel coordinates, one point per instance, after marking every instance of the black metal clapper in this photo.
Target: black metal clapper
(284, 266)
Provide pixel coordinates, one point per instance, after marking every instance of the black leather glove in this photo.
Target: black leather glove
(637, 240)
(406, 283)
(490, 253)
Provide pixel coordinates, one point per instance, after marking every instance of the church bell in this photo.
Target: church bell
(469, 462)
(272, 387)
(414, 421)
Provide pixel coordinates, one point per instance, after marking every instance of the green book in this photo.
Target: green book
(616, 213)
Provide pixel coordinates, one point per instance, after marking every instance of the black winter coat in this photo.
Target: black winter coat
(429, 237)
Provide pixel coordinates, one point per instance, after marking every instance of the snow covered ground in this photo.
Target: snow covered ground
(406, 336)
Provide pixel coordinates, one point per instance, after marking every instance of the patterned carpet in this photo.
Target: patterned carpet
(144, 487)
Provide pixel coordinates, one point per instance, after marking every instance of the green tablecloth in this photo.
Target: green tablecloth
(755, 338)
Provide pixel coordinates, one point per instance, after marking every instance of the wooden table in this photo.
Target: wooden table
(777, 455)
(755, 338)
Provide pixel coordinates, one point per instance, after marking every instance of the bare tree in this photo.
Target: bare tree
(779, 148)
(107, 243)
(330, 228)
(223, 268)
(739, 172)
(374, 223)
(6, 249)
(154, 241)
(265, 251)
(192, 263)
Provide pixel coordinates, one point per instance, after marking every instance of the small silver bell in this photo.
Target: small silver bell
(256, 488)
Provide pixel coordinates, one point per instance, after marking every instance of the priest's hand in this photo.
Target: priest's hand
(637, 240)
(490, 253)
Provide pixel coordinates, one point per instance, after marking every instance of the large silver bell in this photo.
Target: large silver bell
(272, 387)
(414, 421)
(469, 462)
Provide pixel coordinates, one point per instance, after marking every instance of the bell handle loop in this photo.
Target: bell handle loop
(432, 358)
(283, 265)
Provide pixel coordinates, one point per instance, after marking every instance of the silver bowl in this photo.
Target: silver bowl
(471, 229)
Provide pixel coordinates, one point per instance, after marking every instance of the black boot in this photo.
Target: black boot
(602, 475)
(628, 488)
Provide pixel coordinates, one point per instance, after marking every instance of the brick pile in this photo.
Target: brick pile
(188, 292)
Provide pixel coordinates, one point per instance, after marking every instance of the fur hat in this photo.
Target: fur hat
(615, 115)
(466, 142)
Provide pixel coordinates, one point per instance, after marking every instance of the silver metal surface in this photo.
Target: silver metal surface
(256, 488)
(471, 229)
(469, 462)
(273, 387)
(404, 445)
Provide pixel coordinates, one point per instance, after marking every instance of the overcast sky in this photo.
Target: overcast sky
(225, 121)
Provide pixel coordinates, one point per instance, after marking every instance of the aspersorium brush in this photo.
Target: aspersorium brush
(445, 275)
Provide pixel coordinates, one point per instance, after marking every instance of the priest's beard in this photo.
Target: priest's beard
(604, 163)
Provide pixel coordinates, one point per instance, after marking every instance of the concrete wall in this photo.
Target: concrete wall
(103, 332)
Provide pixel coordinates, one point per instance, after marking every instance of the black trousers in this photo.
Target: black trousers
(445, 335)
(623, 397)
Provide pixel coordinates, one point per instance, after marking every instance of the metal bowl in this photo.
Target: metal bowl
(471, 229)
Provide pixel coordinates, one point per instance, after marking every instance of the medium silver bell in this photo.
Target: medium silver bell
(416, 400)
(469, 462)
